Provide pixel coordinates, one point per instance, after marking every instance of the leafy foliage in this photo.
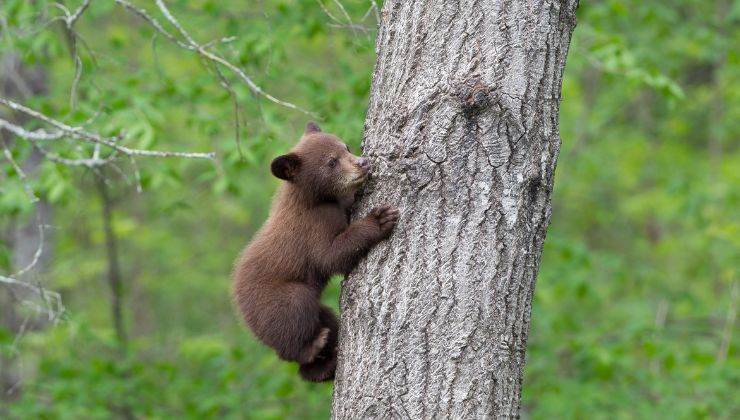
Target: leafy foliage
(635, 288)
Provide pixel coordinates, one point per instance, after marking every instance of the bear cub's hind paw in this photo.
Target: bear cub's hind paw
(313, 349)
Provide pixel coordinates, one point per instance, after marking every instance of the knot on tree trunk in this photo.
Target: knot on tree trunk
(474, 96)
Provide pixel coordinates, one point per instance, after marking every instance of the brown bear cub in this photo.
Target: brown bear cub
(279, 277)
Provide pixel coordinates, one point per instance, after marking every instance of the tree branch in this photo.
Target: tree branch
(78, 133)
(191, 45)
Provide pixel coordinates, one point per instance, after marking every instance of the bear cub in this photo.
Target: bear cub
(308, 237)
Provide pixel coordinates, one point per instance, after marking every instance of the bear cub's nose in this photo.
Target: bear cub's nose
(364, 164)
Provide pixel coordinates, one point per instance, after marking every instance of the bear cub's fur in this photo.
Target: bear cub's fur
(279, 277)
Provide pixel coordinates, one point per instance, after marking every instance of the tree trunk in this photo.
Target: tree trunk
(462, 130)
(115, 279)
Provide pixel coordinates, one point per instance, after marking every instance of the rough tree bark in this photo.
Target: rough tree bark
(462, 130)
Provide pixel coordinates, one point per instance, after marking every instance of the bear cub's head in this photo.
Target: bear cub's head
(322, 165)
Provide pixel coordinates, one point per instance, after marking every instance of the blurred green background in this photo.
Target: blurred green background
(635, 305)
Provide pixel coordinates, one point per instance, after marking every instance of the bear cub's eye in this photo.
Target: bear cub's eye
(333, 162)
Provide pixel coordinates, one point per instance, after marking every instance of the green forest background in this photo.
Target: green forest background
(635, 304)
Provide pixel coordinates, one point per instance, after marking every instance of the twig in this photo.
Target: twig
(37, 254)
(237, 108)
(377, 10)
(347, 24)
(90, 163)
(327, 12)
(353, 27)
(21, 173)
(80, 10)
(137, 175)
(69, 21)
(53, 300)
(152, 21)
(346, 15)
(370, 9)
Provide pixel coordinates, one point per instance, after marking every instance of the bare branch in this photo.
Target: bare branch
(191, 45)
(87, 136)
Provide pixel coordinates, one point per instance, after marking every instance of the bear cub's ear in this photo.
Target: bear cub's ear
(312, 127)
(286, 166)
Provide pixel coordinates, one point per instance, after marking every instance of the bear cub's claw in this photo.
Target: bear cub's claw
(386, 217)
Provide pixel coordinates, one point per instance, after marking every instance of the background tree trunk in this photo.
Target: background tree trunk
(462, 129)
(115, 279)
(23, 235)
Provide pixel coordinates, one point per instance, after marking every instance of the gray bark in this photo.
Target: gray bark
(23, 235)
(462, 130)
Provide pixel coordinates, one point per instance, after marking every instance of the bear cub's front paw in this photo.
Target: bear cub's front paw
(385, 217)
